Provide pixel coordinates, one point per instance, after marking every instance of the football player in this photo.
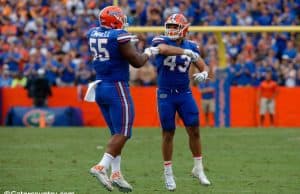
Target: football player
(174, 94)
(112, 53)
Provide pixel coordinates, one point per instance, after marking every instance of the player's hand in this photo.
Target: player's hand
(151, 51)
(134, 39)
(200, 77)
(195, 56)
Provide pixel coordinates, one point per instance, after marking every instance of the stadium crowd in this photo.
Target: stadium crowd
(50, 34)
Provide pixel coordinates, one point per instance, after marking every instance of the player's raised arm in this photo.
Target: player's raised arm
(205, 71)
(203, 67)
(167, 50)
(129, 52)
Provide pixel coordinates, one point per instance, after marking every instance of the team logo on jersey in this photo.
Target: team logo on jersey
(32, 118)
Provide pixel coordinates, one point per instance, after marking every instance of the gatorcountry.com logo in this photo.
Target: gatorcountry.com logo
(32, 118)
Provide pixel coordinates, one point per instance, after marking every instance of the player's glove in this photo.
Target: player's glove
(195, 56)
(151, 51)
(200, 77)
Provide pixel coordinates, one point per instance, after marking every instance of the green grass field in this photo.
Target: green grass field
(236, 160)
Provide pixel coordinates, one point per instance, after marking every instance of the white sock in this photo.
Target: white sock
(198, 163)
(116, 164)
(168, 167)
(106, 160)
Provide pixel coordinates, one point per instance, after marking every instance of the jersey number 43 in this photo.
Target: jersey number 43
(182, 67)
(97, 46)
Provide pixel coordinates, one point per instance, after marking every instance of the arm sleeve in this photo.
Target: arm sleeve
(123, 36)
(157, 40)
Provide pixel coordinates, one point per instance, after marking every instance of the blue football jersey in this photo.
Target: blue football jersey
(173, 71)
(108, 61)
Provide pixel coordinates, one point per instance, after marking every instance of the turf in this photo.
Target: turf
(236, 160)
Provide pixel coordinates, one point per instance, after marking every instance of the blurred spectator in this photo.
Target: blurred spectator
(133, 75)
(5, 79)
(248, 49)
(170, 9)
(154, 14)
(19, 81)
(8, 28)
(75, 6)
(287, 17)
(125, 6)
(244, 18)
(141, 12)
(133, 17)
(12, 58)
(147, 75)
(31, 25)
(290, 76)
(30, 68)
(267, 93)
(187, 9)
(265, 19)
(83, 75)
(298, 78)
(66, 72)
(208, 101)
(297, 61)
(281, 76)
(39, 89)
(233, 47)
(51, 69)
(290, 50)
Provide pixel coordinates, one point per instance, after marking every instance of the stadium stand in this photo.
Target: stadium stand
(50, 34)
